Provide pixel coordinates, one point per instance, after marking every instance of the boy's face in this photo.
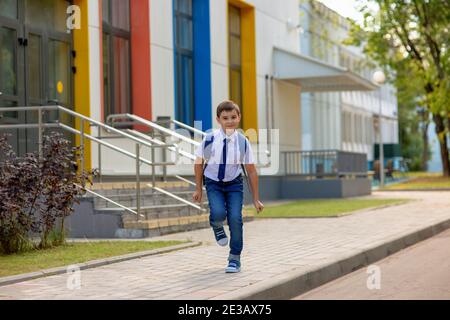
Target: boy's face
(229, 120)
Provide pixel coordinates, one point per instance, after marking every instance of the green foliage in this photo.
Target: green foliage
(411, 123)
(36, 192)
(410, 41)
(57, 237)
(73, 253)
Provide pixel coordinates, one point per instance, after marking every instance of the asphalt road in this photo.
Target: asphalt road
(420, 272)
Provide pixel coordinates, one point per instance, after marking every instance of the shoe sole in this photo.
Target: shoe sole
(223, 243)
(232, 270)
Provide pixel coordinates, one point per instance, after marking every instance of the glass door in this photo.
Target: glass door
(35, 64)
(12, 90)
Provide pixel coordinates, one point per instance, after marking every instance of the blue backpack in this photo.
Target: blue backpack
(242, 151)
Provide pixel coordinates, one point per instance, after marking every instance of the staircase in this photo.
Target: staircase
(135, 208)
(161, 214)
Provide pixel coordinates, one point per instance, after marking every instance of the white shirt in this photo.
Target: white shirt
(233, 166)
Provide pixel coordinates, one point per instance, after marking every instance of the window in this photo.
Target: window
(369, 128)
(49, 16)
(234, 43)
(8, 8)
(116, 56)
(346, 126)
(184, 61)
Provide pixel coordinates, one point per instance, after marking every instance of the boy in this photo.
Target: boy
(225, 151)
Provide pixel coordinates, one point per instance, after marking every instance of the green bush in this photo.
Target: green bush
(35, 192)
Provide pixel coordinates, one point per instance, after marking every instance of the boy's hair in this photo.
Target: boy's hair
(227, 105)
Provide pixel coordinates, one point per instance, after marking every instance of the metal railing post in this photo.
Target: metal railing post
(153, 162)
(99, 155)
(286, 170)
(138, 182)
(311, 174)
(338, 161)
(40, 133)
(164, 158)
(82, 144)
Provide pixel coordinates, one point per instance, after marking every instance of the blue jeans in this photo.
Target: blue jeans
(225, 202)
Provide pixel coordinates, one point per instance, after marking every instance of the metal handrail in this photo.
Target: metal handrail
(109, 200)
(166, 131)
(75, 114)
(324, 163)
(195, 130)
(41, 125)
(188, 155)
(106, 144)
(159, 142)
(183, 125)
(178, 198)
(172, 133)
(138, 141)
(155, 126)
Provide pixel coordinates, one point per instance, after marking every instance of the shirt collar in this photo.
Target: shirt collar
(223, 134)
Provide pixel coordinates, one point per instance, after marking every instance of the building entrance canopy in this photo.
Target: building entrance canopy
(313, 75)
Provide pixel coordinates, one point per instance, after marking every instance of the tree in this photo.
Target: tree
(37, 192)
(414, 33)
(413, 119)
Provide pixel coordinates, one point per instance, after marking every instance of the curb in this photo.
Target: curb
(4, 281)
(294, 283)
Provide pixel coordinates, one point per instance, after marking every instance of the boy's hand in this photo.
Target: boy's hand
(258, 205)
(197, 196)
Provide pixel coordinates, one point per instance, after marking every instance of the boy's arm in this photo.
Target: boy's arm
(198, 170)
(253, 176)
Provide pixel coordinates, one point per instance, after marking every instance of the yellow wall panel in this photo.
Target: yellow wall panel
(249, 97)
(81, 77)
(248, 56)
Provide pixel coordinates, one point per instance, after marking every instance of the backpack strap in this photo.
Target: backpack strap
(209, 139)
(242, 152)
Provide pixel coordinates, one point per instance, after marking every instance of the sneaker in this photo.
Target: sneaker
(221, 237)
(233, 266)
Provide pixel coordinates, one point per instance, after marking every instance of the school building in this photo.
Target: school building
(343, 120)
(178, 59)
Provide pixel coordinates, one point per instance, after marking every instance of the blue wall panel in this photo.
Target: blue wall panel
(202, 64)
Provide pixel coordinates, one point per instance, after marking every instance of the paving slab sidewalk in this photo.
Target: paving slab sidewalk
(281, 259)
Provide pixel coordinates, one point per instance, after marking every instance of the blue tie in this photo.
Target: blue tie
(224, 161)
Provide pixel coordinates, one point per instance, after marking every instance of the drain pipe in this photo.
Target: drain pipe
(272, 118)
(266, 82)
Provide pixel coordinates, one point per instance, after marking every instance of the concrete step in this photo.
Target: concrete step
(155, 212)
(147, 199)
(144, 190)
(132, 185)
(185, 194)
(161, 226)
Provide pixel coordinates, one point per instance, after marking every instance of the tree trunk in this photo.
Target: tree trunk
(448, 121)
(62, 235)
(440, 131)
(425, 150)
